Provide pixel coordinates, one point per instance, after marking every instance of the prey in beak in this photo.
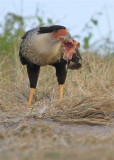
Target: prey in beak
(75, 62)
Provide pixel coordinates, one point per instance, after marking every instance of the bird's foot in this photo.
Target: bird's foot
(32, 92)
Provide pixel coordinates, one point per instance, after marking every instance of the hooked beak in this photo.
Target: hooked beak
(69, 36)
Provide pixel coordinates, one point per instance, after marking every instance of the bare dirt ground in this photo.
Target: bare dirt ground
(78, 127)
(25, 136)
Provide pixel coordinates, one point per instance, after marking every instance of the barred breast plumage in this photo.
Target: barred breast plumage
(39, 49)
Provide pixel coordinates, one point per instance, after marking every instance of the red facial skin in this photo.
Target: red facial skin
(69, 46)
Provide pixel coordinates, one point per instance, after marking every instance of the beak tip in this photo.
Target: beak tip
(69, 35)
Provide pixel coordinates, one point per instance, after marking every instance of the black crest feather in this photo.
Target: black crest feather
(50, 28)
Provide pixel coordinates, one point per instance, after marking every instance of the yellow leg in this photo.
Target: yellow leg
(32, 91)
(61, 90)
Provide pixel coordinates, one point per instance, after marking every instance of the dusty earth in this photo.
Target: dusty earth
(25, 136)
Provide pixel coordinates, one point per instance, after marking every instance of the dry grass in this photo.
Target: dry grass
(51, 128)
(88, 93)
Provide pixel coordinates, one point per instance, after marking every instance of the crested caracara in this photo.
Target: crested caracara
(52, 45)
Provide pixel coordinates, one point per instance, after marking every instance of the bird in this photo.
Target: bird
(49, 45)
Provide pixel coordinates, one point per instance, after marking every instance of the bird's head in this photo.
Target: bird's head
(70, 47)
